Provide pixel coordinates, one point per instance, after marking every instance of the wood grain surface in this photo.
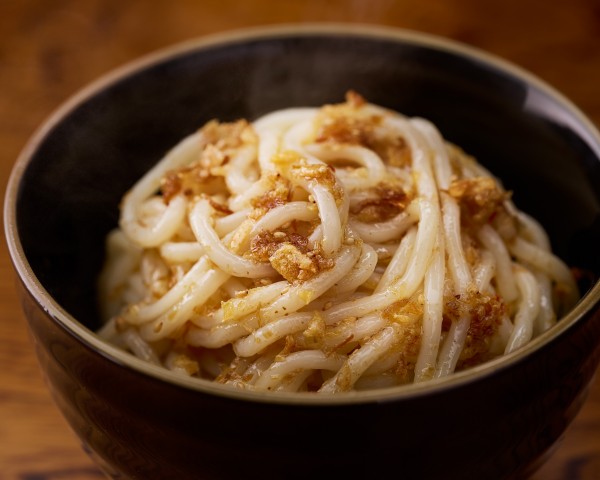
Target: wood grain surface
(51, 48)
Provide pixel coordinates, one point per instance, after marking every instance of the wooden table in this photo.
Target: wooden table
(48, 50)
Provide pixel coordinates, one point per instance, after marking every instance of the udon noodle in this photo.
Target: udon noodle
(330, 249)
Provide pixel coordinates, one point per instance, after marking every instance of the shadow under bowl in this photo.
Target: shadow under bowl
(499, 420)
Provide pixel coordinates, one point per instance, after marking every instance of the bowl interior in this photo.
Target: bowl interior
(69, 193)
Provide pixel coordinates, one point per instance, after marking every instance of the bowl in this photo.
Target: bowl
(137, 421)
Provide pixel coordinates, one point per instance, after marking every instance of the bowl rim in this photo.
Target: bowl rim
(411, 391)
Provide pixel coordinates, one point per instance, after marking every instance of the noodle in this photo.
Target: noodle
(325, 250)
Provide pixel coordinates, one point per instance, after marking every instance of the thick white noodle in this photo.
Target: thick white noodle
(385, 251)
(179, 252)
(293, 381)
(432, 314)
(429, 220)
(183, 287)
(355, 331)
(234, 287)
(270, 129)
(443, 171)
(218, 253)
(236, 177)
(262, 337)
(361, 359)
(533, 230)
(286, 302)
(547, 316)
(385, 231)
(280, 215)
(359, 274)
(457, 263)
(303, 360)
(484, 271)
(225, 225)
(143, 313)
(162, 228)
(236, 308)
(452, 347)
(461, 278)
(330, 219)
(140, 347)
(220, 335)
(404, 286)
(372, 169)
(178, 315)
(505, 279)
(125, 259)
(548, 263)
(399, 261)
(298, 296)
(250, 370)
(242, 201)
(529, 307)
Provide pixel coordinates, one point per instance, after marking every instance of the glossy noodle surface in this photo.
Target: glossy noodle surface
(329, 249)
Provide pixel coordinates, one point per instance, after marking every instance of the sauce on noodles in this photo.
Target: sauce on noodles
(326, 249)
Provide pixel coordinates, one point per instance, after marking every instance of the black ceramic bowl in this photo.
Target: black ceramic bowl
(499, 420)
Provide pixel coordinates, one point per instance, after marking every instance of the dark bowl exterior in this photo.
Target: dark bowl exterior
(139, 427)
(498, 423)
